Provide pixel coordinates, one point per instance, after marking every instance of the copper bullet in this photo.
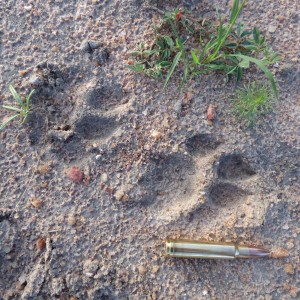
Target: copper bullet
(205, 249)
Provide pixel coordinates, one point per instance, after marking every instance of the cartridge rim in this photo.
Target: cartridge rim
(168, 247)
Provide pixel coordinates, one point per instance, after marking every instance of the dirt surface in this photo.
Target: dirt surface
(109, 164)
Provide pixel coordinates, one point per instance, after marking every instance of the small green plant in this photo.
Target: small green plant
(201, 46)
(21, 110)
(252, 101)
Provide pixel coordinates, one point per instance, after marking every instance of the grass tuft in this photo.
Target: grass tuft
(21, 109)
(252, 101)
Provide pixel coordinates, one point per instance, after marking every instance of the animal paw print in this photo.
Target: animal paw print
(174, 185)
(234, 192)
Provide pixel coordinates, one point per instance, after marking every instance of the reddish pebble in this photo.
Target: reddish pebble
(211, 112)
(40, 244)
(75, 174)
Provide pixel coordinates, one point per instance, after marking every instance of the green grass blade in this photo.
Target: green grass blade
(7, 121)
(194, 57)
(16, 96)
(174, 64)
(12, 108)
(262, 66)
(28, 99)
(234, 11)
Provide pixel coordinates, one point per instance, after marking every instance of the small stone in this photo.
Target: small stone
(22, 72)
(272, 28)
(40, 244)
(155, 134)
(155, 269)
(211, 112)
(75, 174)
(142, 270)
(28, 7)
(104, 178)
(119, 195)
(43, 169)
(36, 203)
(55, 49)
(285, 227)
(20, 286)
(288, 268)
(72, 220)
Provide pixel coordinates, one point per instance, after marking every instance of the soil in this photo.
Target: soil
(109, 164)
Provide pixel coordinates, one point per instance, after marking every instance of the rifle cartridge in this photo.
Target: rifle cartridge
(212, 250)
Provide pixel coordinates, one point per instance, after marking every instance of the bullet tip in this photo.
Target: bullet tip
(259, 252)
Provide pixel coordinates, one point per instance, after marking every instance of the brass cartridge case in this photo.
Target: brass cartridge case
(206, 249)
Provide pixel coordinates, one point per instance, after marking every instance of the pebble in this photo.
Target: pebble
(40, 244)
(22, 72)
(104, 178)
(36, 203)
(211, 112)
(142, 270)
(55, 49)
(119, 195)
(75, 174)
(28, 7)
(155, 134)
(272, 28)
(43, 169)
(71, 220)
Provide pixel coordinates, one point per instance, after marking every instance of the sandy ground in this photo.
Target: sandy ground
(147, 162)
